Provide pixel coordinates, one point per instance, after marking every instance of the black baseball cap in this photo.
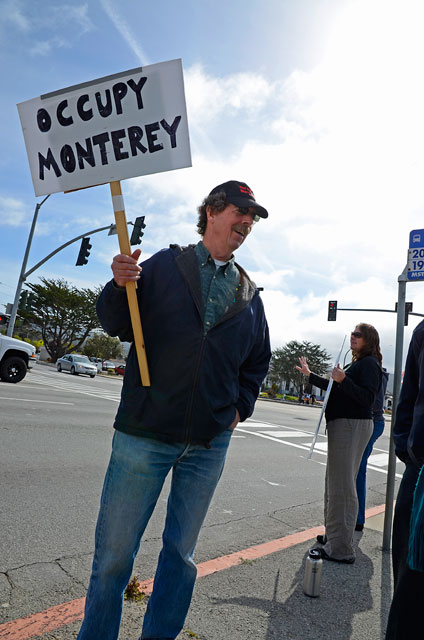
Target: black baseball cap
(240, 194)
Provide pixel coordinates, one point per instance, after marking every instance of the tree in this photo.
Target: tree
(64, 315)
(103, 346)
(284, 361)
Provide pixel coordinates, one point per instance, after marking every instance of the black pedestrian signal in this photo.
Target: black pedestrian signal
(4, 319)
(137, 232)
(84, 252)
(332, 310)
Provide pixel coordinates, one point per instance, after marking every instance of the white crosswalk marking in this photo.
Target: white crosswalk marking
(260, 425)
(379, 459)
(322, 446)
(376, 462)
(53, 380)
(287, 434)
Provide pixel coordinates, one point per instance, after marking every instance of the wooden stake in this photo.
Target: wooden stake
(131, 287)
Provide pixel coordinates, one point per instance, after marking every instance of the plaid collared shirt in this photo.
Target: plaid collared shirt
(219, 285)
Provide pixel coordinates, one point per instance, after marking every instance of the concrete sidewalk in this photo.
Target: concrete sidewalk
(263, 599)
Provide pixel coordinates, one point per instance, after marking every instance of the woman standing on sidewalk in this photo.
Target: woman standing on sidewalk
(349, 427)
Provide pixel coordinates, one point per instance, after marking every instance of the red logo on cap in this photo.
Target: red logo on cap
(247, 191)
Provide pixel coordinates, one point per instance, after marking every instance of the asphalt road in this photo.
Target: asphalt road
(55, 437)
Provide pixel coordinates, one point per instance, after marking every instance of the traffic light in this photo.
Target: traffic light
(137, 232)
(30, 301)
(332, 310)
(84, 252)
(23, 301)
(4, 319)
(408, 310)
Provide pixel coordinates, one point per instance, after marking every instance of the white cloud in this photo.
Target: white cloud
(12, 13)
(78, 14)
(43, 25)
(124, 29)
(44, 47)
(208, 97)
(13, 212)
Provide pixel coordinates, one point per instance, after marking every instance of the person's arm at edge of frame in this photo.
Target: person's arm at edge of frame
(254, 369)
(112, 304)
(408, 395)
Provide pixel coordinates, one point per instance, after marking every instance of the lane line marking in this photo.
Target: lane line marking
(63, 614)
(44, 401)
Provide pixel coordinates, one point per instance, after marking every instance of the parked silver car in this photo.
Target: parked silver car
(76, 364)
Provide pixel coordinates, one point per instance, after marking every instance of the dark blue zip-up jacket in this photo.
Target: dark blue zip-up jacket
(408, 430)
(198, 379)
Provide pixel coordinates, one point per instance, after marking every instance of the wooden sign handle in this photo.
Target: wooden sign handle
(131, 287)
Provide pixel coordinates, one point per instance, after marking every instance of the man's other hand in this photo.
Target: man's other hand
(235, 421)
(125, 268)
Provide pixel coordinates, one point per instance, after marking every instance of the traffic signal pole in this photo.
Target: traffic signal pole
(23, 275)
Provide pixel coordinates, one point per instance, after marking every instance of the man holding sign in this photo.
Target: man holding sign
(208, 349)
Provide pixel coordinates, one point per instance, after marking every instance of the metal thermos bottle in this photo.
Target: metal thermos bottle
(313, 573)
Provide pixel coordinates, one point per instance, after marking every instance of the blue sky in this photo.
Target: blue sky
(316, 104)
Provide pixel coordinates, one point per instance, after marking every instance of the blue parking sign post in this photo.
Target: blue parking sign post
(413, 272)
(416, 256)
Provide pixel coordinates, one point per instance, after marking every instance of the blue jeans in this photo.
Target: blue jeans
(137, 469)
(361, 478)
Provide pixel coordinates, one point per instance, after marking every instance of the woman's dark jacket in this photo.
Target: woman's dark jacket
(198, 378)
(354, 396)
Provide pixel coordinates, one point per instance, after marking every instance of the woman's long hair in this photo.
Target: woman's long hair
(372, 343)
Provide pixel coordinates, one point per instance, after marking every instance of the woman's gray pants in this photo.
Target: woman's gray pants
(347, 439)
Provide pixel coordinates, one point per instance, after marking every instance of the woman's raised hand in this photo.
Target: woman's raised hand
(303, 366)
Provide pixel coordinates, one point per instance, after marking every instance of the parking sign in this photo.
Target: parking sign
(416, 255)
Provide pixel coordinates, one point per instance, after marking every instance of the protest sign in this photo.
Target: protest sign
(122, 126)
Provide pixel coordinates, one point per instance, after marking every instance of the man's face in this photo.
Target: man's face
(231, 226)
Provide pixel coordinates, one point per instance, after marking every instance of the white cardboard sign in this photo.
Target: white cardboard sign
(129, 124)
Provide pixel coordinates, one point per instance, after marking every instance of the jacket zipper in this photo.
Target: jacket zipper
(196, 377)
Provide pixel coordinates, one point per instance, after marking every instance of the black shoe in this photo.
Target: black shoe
(322, 539)
(359, 527)
(325, 556)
